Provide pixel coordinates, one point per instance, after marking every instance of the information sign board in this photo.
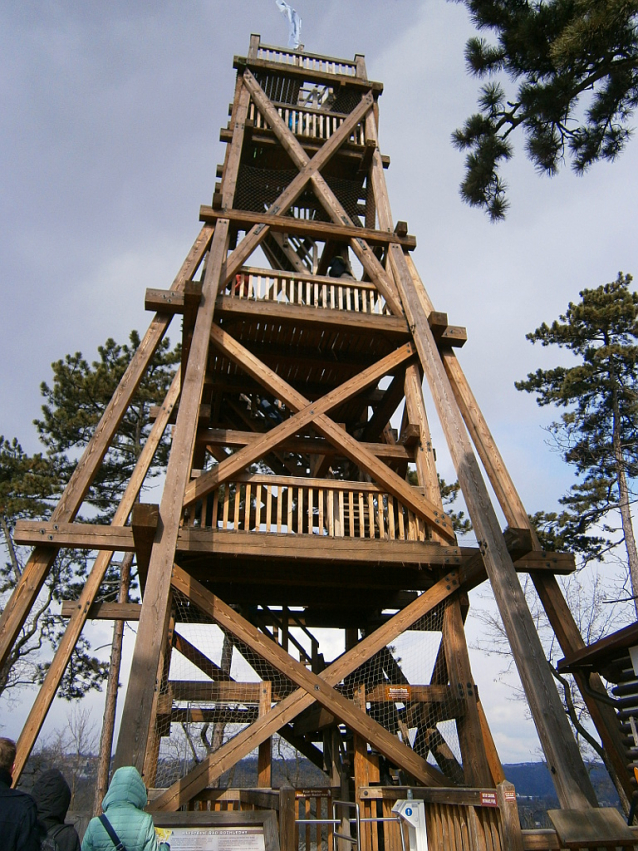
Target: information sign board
(212, 838)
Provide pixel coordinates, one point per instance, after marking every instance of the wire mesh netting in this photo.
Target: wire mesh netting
(215, 686)
(258, 188)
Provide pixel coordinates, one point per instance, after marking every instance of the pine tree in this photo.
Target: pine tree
(575, 65)
(598, 433)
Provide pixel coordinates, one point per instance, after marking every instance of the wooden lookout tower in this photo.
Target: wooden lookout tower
(297, 582)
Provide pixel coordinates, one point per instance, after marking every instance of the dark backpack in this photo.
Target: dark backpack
(50, 842)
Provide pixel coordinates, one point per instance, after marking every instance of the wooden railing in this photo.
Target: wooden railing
(309, 61)
(314, 804)
(310, 290)
(309, 122)
(298, 506)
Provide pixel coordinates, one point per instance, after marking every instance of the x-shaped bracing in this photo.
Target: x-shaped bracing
(309, 172)
(312, 687)
(316, 413)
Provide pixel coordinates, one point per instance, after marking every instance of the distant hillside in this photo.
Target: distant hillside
(533, 780)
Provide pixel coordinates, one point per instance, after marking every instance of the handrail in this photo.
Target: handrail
(309, 61)
(305, 121)
(320, 292)
(295, 506)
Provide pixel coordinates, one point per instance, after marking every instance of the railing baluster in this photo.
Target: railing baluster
(401, 523)
(411, 529)
(280, 502)
(362, 517)
(380, 515)
(258, 508)
(321, 497)
(268, 507)
(331, 514)
(237, 502)
(289, 528)
(247, 508)
(213, 521)
(310, 512)
(300, 511)
(342, 522)
(351, 514)
(371, 530)
(391, 517)
(226, 505)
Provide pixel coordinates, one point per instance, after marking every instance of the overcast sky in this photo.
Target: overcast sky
(109, 142)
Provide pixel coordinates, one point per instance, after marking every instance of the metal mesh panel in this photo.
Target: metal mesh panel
(210, 693)
(258, 188)
(405, 690)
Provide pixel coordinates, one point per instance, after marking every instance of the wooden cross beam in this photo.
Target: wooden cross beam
(37, 568)
(342, 708)
(214, 765)
(203, 485)
(289, 141)
(313, 412)
(91, 587)
(307, 170)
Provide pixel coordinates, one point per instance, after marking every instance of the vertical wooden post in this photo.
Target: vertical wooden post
(510, 821)
(158, 724)
(571, 779)
(138, 707)
(475, 764)
(551, 596)
(287, 827)
(264, 758)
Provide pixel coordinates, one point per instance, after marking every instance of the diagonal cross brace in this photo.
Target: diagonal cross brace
(308, 170)
(214, 765)
(321, 691)
(200, 487)
(335, 210)
(37, 568)
(315, 411)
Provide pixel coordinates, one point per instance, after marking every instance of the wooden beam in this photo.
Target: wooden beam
(144, 522)
(308, 316)
(36, 570)
(104, 611)
(398, 753)
(82, 608)
(234, 439)
(197, 658)
(245, 220)
(307, 75)
(245, 741)
(294, 424)
(379, 471)
(474, 758)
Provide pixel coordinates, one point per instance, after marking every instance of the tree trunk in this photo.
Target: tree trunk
(110, 701)
(624, 505)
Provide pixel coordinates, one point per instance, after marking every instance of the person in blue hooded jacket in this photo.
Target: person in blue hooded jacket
(123, 806)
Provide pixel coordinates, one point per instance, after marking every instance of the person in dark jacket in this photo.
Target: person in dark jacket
(19, 829)
(52, 797)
